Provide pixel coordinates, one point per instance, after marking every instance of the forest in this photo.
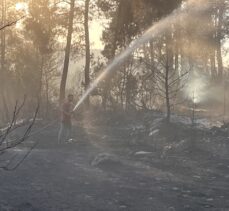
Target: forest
(140, 89)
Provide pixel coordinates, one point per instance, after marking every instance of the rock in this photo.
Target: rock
(154, 132)
(187, 206)
(25, 207)
(104, 159)
(210, 199)
(180, 146)
(165, 150)
(87, 197)
(220, 131)
(175, 188)
(171, 209)
(71, 140)
(123, 207)
(208, 206)
(187, 191)
(143, 153)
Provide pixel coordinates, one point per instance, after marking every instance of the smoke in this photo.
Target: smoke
(196, 89)
(187, 11)
(201, 90)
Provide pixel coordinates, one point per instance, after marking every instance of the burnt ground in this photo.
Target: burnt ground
(119, 167)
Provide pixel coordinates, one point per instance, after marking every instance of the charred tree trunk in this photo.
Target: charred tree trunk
(87, 44)
(67, 52)
(167, 97)
(168, 66)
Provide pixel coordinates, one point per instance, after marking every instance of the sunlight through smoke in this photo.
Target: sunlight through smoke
(21, 6)
(19, 25)
(191, 8)
(196, 88)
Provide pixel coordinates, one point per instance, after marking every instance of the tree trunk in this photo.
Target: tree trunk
(218, 41)
(167, 97)
(168, 65)
(213, 65)
(152, 57)
(114, 48)
(3, 70)
(87, 44)
(67, 52)
(47, 94)
(41, 78)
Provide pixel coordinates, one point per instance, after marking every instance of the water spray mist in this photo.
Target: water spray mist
(191, 8)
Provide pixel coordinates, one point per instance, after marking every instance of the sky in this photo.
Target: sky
(226, 58)
(96, 29)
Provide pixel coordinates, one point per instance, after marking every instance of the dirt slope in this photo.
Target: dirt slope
(104, 170)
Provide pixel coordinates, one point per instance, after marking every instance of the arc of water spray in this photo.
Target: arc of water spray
(192, 7)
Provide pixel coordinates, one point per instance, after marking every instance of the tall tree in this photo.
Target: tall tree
(67, 52)
(87, 45)
(220, 11)
(41, 29)
(3, 61)
(128, 20)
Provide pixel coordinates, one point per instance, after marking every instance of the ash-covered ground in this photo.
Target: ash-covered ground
(121, 162)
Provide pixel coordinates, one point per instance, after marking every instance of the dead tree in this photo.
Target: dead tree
(6, 143)
(167, 82)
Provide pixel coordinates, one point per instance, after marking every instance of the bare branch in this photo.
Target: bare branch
(11, 23)
(17, 142)
(8, 168)
(180, 77)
